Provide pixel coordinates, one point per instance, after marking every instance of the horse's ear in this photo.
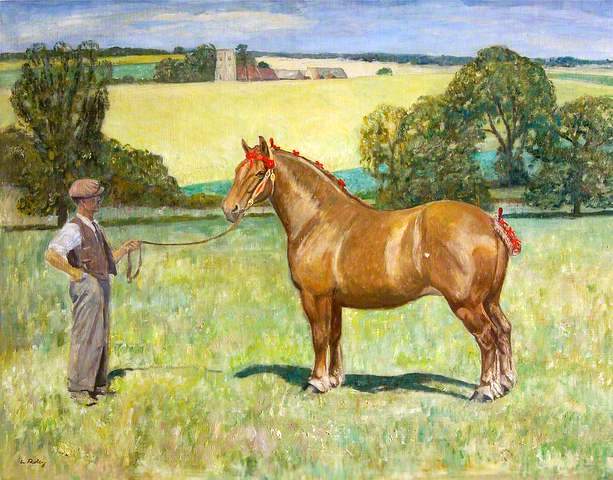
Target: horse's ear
(264, 146)
(245, 146)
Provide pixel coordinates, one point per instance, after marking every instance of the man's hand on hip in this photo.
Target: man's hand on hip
(76, 275)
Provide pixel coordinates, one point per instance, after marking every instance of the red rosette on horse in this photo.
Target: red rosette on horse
(507, 234)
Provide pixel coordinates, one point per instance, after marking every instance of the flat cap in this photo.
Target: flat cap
(85, 188)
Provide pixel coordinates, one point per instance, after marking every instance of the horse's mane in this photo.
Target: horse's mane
(320, 168)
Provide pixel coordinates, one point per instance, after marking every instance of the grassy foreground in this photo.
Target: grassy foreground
(210, 349)
(197, 127)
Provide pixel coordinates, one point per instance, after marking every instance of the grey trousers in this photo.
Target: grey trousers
(89, 340)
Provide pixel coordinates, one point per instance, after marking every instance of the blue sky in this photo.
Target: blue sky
(454, 27)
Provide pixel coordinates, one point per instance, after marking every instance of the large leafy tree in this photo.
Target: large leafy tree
(507, 96)
(61, 100)
(575, 157)
(421, 155)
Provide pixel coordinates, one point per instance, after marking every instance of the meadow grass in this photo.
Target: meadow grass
(210, 350)
(197, 127)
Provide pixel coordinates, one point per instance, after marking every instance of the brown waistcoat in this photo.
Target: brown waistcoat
(93, 256)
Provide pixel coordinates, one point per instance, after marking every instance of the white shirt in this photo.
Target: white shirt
(69, 236)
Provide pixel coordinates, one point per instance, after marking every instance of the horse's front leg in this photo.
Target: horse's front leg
(337, 372)
(318, 310)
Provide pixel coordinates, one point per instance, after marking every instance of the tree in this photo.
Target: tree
(61, 100)
(198, 66)
(380, 150)
(244, 59)
(421, 155)
(178, 49)
(202, 61)
(575, 156)
(16, 151)
(507, 96)
(138, 177)
(384, 71)
(263, 65)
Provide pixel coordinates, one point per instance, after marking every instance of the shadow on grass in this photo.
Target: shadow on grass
(121, 372)
(416, 382)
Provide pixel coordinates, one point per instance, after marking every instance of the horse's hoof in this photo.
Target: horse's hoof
(318, 385)
(506, 383)
(308, 388)
(497, 389)
(337, 379)
(482, 395)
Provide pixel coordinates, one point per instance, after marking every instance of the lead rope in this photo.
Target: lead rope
(131, 276)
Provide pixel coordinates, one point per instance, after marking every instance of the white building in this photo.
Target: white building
(225, 67)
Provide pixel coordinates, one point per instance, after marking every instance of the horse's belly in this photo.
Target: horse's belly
(385, 300)
(375, 268)
(378, 291)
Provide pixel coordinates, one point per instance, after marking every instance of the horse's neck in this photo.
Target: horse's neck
(302, 194)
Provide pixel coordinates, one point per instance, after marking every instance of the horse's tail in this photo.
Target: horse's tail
(507, 234)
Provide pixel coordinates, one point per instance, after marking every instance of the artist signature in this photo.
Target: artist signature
(32, 461)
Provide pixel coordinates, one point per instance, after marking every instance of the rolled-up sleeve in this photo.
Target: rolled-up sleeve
(68, 238)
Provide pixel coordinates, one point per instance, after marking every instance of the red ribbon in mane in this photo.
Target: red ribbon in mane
(273, 146)
(253, 155)
(510, 233)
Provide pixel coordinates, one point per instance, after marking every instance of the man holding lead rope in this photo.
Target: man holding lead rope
(81, 250)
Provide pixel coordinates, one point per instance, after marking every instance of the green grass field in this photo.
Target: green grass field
(210, 350)
(197, 127)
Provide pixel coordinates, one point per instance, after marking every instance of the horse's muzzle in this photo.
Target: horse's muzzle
(232, 213)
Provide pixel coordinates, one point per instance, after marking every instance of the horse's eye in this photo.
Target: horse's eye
(260, 174)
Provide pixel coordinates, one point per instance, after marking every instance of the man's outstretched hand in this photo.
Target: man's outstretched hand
(126, 248)
(130, 246)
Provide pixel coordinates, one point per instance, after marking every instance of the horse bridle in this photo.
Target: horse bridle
(269, 175)
(269, 164)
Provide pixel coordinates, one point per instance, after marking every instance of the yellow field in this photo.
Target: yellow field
(128, 59)
(197, 127)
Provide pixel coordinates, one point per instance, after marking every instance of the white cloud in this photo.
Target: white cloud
(244, 21)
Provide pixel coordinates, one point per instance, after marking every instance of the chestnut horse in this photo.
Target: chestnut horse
(344, 253)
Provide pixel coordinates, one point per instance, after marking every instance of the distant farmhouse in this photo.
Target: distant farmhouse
(225, 67)
(321, 73)
(226, 70)
(285, 74)
(251, 73)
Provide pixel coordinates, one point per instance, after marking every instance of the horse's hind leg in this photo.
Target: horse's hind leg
(508, 376)
(337, 373)
(318, 310)
(476, 321)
